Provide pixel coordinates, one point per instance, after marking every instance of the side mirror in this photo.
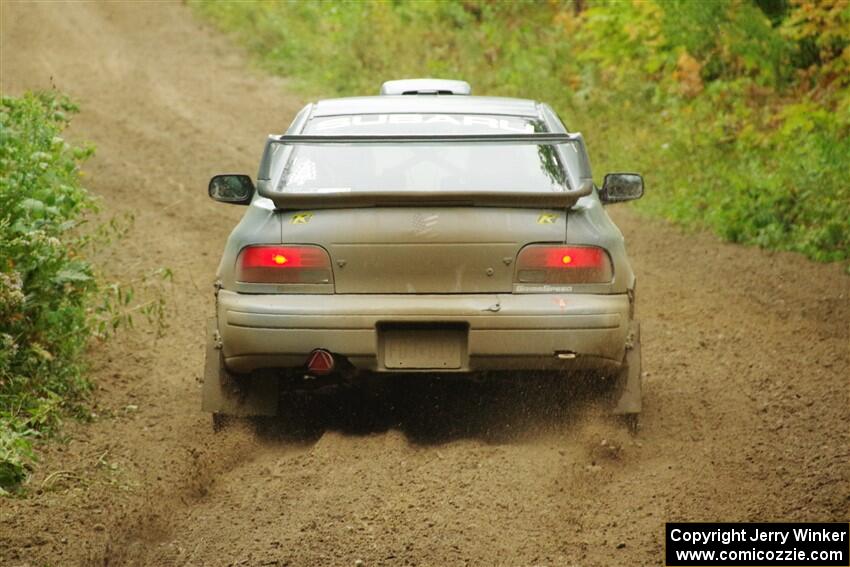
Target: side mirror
(619, 187)
(232, 188)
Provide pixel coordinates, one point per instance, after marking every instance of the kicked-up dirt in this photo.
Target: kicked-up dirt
(745, 351)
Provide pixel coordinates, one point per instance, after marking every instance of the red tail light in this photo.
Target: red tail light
(284, 264)
(563, 264)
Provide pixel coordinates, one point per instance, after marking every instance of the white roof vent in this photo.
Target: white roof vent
(425, 86)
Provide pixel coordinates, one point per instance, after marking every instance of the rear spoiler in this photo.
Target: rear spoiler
(278, 147)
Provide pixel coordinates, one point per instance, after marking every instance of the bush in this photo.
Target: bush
(45, 284)
(51, 302)
(737, 111)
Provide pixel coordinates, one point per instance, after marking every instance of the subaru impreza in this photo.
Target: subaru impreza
(422, 231)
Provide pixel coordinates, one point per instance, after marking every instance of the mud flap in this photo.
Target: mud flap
(224, 393)
(627, 396)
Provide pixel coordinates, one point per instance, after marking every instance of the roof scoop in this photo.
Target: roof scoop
(426, 87)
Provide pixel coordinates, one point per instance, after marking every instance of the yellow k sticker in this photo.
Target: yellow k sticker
(301, 218)
(547, 218)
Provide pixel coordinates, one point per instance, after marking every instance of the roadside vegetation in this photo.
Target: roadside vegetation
(736, 111)
(53, 302)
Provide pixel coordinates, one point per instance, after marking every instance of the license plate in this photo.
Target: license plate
(424, 348)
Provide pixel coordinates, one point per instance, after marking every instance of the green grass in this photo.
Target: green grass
(737, 112)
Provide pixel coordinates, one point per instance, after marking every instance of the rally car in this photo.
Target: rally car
(422, 231)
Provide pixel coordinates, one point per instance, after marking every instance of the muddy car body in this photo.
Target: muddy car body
(421, 231)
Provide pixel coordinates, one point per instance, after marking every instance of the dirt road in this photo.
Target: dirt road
(746, 352)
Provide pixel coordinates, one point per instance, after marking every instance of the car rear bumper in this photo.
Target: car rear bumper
(505, 331)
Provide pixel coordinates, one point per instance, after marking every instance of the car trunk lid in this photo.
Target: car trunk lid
(424, 250)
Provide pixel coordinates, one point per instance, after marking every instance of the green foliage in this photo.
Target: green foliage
(736, 111)
(44, 283)
(51, 301)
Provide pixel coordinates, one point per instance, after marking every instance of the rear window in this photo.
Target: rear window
(436, 166)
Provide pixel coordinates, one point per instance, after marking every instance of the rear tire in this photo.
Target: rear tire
(220, 422)
(631, 421)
